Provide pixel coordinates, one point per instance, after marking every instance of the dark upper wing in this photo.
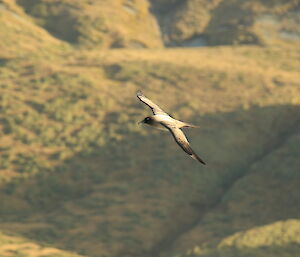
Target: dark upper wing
(155, 108)
(182, 141)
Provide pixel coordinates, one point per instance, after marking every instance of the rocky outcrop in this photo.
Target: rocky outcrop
(222, 22)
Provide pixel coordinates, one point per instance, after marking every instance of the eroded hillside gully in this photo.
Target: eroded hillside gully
(164, 248)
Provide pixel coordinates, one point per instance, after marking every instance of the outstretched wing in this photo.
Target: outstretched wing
(182, 141)
(155, 108)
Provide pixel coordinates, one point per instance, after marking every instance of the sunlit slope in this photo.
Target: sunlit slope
(106, 24)
(12, 246)
(100, 24)
(94, 182)
(20, 36)
(280, 238)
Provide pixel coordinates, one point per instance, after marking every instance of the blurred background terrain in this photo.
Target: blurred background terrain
(79, 178)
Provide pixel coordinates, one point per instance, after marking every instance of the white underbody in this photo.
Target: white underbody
(157, 125)
(165, 119)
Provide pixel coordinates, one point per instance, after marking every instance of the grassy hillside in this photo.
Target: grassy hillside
(14, 23)
(77, 172)
(261, 206)
(12, 246)
(152, 24)
(97, 24)
(277, 239)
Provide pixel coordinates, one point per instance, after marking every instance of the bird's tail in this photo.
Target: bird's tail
(187, 125)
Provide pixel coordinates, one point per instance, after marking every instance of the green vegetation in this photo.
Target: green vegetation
(19, 247)
(77, 173)
(97, 23)
(277, 239)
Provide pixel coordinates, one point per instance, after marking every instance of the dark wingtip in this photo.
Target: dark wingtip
(200, 160)
(197, 158)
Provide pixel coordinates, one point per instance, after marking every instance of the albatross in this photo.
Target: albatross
(162, 120)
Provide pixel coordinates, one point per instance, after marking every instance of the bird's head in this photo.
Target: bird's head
(147, 120)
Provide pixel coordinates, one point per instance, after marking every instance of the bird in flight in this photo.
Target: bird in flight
(162, 120)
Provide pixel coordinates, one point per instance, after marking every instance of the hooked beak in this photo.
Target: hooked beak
(140, 122)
